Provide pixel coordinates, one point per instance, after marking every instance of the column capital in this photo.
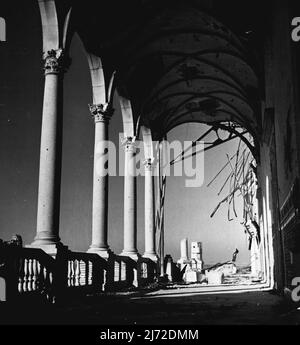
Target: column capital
(129, 144)
(54, 61)
(101, 112)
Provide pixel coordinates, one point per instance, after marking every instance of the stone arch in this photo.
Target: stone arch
(147, 142)
(127, 117)
(55, 25)
(97, 79)
(103, 90)
(49, 25)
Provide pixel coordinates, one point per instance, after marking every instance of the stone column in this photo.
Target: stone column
(149, 212)
(130, 221)
(50, 154)
(101, 114)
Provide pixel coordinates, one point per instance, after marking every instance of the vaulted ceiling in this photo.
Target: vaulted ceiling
(177, 63)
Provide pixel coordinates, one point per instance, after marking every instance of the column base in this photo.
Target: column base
(133, 255)
(105, 253)
(151, 256)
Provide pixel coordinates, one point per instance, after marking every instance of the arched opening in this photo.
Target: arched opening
(186, 66)
(191, 68)
(221, 212)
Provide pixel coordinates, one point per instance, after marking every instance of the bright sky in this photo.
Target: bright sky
(188, 210)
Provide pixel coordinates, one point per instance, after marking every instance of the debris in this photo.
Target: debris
(215, 277)
(193, 276)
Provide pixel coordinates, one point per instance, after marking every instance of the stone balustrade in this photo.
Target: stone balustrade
(31, 272)
(27, 272)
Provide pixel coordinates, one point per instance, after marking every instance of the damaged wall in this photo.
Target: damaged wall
(281, 99)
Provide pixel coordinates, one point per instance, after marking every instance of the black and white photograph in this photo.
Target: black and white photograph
(149, 166)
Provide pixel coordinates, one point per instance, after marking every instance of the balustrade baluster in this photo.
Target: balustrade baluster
(38, 276)
(25, 278)
(50, 280)
(87, 263)
(77, 273)
(83, 270)
(91, 272)
(30, 274)
(69, 279)
(34, 275)
(123, 270)
(44, 275)
(20, 277)
(73, 273)
(116, 273)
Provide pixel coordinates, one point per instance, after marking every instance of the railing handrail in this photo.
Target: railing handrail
(122, 258)
(70, 255)
(35, 253)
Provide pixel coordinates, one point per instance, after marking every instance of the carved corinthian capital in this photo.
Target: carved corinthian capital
(53, 61)
(101, 112)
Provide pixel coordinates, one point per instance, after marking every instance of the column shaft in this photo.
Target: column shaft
(100, 181)
(149, 212)
(50, 153)
(130, 221)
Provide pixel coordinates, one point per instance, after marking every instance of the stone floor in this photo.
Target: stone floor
(160, 308)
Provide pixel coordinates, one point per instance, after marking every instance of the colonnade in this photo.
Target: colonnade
(47, 236)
